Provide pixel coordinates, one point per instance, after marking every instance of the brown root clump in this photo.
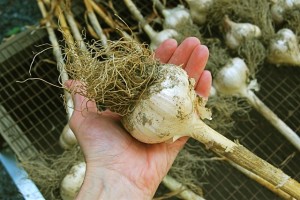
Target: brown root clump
(116, 75)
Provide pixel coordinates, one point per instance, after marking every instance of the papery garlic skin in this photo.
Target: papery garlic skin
(167, 111)
(175, 16)
(199, 10)
(284, 49)
(72, 182)
(236, 33)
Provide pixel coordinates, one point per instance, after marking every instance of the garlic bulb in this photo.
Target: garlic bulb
(236, 33)
(175, 16)
(233, 79)
(199, 9)
(72, 182)
(67, 138)
(284, 48)
(279, 7)
(168, 112)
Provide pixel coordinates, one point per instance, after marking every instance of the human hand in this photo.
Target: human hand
(119, 166)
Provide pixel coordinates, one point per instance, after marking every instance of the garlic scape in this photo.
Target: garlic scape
(233, 79)
(236, 33)
(156, 37)
(279, 7)
(199, 10)
(284, 48)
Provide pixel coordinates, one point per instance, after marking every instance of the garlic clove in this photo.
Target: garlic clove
(236, 33)
(284, 48)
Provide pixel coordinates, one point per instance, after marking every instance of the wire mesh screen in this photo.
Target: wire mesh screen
(33, 114)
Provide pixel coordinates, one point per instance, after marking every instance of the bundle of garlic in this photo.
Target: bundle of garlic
(156, 37)
(284, 49)
(158, 104)
(233, 79)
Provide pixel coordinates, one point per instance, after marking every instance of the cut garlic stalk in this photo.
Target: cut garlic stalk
(284, 48)
(171, 109)
(236, 33)
(72, 182)
(233, 79)
(156, 37)
(199, 9)
(279, 7)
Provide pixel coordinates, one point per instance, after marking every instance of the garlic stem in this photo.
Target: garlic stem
(262, 181)
(245, 158)
(93, 19)
(285, 130)
(57, 54)
(184, 193)
(155, 37)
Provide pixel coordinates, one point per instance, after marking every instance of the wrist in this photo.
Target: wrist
(107, 184)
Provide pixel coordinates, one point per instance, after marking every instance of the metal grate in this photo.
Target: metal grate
(32, 114)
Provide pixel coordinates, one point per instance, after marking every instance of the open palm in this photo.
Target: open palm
(111, 153)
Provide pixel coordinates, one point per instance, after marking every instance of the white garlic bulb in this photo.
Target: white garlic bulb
(279, 7)
(158, 37)
(232, 79)
(72, 182)
(67, 138)
(236, 33)
(284, 48)
(168, 110)
(199, 10)
(175, 16)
